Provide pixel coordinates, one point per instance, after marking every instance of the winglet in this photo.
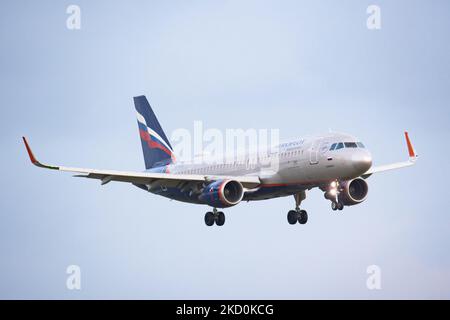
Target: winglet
(30, 153)
(412, 153)
(33, 158)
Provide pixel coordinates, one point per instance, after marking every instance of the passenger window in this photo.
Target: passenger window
(340, 145)
(350, 145)
(333, 146)
(360, 144)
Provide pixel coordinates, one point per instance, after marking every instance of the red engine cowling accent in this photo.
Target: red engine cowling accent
(353, 191)
(222, 193)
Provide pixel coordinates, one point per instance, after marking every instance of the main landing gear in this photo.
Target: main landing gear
(217, 217)
(297, 215)
(300, 216)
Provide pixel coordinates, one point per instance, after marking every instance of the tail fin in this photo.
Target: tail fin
(155, 145)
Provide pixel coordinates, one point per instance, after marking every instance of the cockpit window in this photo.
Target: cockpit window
(341, 145)
(350, 145)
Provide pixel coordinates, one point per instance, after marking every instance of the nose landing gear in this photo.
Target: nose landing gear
(337, 205)
(332, 194)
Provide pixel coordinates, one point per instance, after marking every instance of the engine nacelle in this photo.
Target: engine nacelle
(353, 191)
(222, 193)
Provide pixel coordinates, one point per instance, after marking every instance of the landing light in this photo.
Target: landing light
(333, 184)
(332, 192)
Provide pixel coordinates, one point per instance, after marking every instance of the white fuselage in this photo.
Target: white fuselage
(296, 165)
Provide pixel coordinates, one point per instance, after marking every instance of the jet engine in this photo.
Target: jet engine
(222, 193)
(353, 191)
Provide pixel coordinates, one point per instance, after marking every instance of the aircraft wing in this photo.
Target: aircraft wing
(147, 178)
(411, 161)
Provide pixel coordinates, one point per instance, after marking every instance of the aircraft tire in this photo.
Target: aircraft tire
(334, 206)
(292, 217)
(220, 219)
(209, 219)
(302, 217)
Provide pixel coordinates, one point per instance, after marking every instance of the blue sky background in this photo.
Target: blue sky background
(302, 67)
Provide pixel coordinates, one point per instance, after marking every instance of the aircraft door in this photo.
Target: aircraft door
(314, 151)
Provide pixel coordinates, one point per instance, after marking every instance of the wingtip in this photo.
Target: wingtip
(30, 152)
(411, 152)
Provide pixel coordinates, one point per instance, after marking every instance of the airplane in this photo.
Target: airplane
(336, 163)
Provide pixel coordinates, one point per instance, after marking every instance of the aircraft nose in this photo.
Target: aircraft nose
(362, 160)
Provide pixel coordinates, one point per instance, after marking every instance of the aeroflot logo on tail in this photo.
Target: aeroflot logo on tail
(153, 139)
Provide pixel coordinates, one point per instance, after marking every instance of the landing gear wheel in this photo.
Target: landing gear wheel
(340, 205)
(302, 217)
(292, 217)
(334, 206)
(209, 219)
(220, 218)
